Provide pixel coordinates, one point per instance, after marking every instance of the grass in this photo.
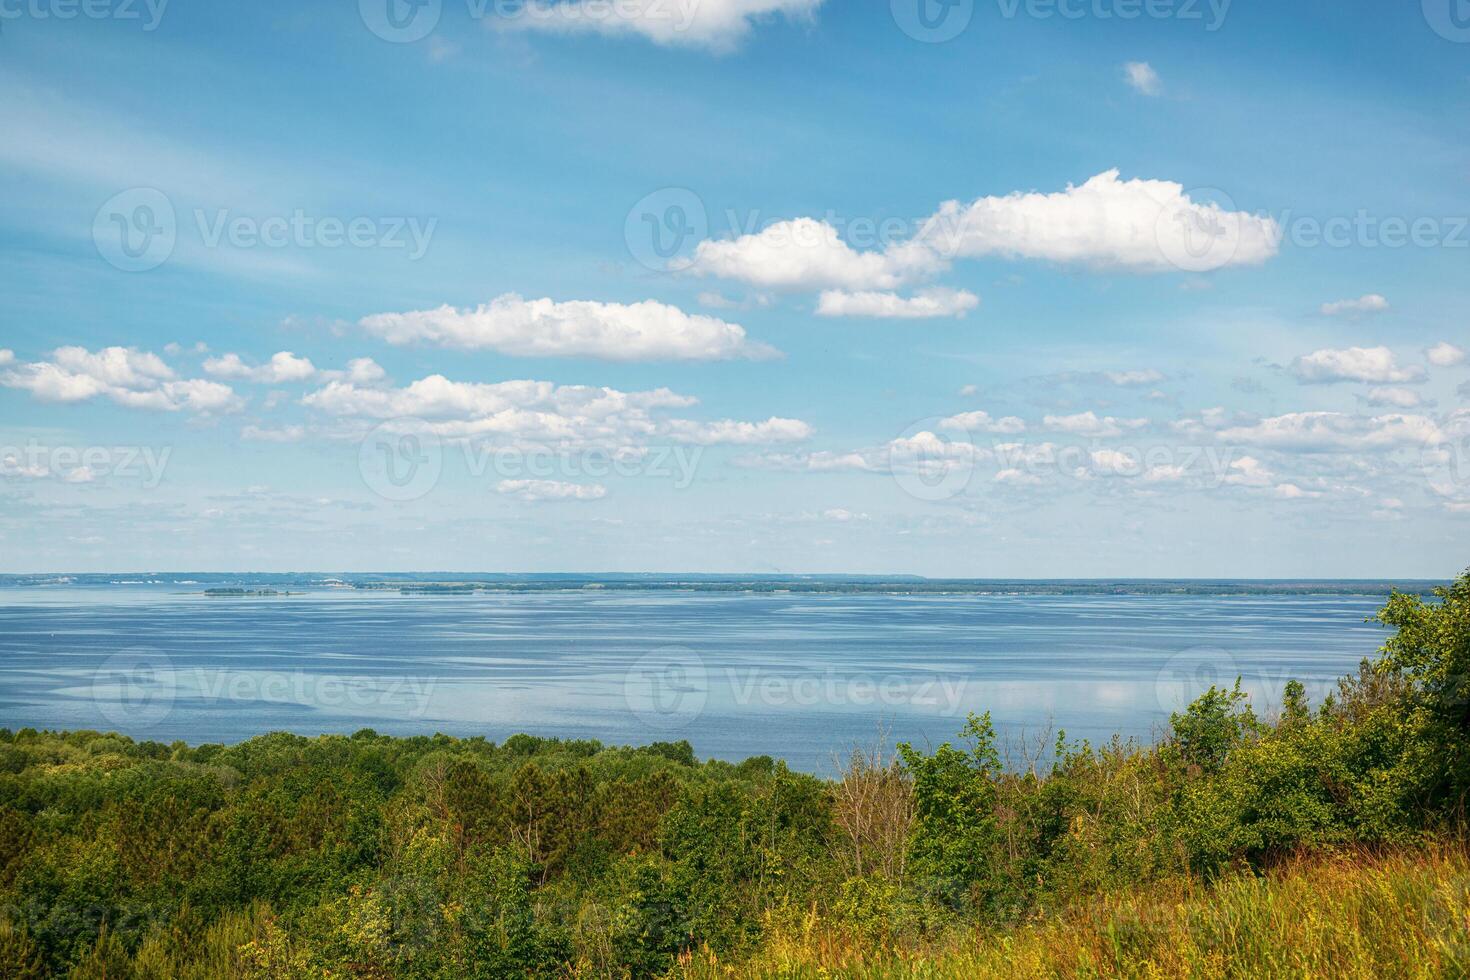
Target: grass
(1354, 916)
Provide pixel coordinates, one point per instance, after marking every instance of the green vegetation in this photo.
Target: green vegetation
(1325, 842)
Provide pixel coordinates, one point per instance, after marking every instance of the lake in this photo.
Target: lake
(796, 675)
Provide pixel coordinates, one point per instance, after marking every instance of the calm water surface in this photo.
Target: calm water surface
(798, 676)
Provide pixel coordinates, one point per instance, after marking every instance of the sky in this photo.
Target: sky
(973, 288)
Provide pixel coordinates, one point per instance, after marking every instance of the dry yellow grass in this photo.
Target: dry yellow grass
(1400, 915)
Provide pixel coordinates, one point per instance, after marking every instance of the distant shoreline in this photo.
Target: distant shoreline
(447, 583)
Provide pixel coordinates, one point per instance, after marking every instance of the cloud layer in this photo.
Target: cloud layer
(646, 331)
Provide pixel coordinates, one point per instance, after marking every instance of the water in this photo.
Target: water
(797, 676)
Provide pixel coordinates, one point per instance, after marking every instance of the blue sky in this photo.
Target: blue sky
(291, 287)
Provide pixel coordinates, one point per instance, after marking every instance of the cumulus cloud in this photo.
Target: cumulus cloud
(1290, 491)
(1090, 424)
(1368, 364)
(983, 422)
(6, 356)
(1105, 223)
(1247, 471)
(1331, 432)
(1443, 354)
(924, 453)
(1371, 303)
(127, 376)
(1143, 78)
(925, 304)
(646, 331)
(728, 432)
(364, 371)
(538, 490)
(286, 433)
(716, 25)
(805, 254)
(1394, 397)
(1133, 379)
(284, 367)
(524, 412)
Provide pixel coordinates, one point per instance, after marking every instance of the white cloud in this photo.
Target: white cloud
(288, 433)
(716, 25)
(1141, 76)
(1290, 491)
(1371, 303)
(284, 367)
(6, 356)
(1394, 397)
(567, 416)
(924, 453)
(924, 304)
(1165, 473)
(1111, 462)
(127, 376)
(1018, 477)
(983, 422)
(1089, 424)
(1369, 364)
(1328, 432)
(1443, 354)
(1131, 379)
(537, 490)
(646, 331)
(728, 432)
(805, 254)
(1106, 223)
(365, 371)
(1247, 471)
